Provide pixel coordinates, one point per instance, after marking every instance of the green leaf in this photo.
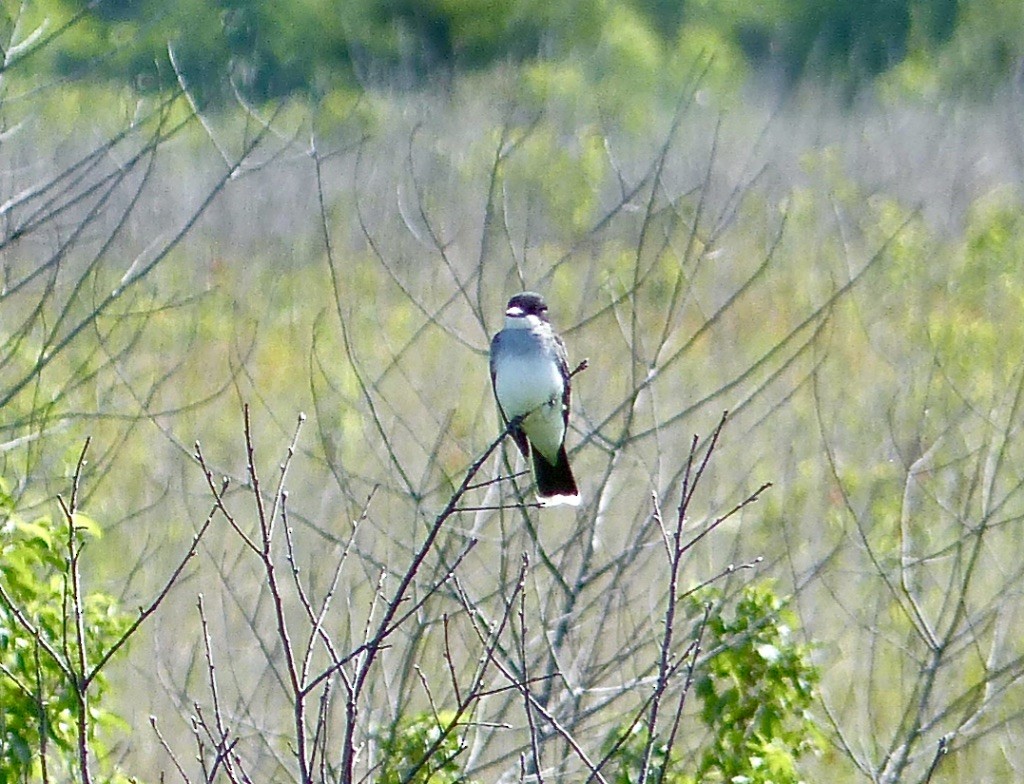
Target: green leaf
(86, 524)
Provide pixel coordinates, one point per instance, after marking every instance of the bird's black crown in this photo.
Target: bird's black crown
(530, 303)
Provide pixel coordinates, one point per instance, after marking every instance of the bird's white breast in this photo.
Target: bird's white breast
(524, 382)
(530, 382)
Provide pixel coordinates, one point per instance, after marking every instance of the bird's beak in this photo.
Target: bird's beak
(515, 312)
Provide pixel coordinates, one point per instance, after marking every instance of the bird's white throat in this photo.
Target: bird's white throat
(520, 320)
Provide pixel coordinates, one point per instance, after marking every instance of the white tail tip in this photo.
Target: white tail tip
(559, 500)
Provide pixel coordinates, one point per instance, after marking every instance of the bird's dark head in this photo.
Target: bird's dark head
(527, 303)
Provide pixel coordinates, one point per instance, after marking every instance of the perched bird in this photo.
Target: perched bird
(530, 377)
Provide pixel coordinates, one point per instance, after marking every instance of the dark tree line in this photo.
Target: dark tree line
(270, 50)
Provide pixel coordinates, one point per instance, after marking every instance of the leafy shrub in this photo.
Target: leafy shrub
(423, 748)
(664, 766)
(755, 689)
(39, 647)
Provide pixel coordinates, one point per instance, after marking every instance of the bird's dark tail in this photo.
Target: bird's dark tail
(555, 482)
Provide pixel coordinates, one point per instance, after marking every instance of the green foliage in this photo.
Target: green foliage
(962, 49)
(423, 749)
(629, 753)
(564, 178)
(39, 697)
(311, 48)
(979, 327)
(756, 691)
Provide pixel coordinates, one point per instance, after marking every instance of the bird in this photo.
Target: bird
(531, 382)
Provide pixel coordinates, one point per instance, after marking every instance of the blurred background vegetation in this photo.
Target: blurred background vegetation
(804, 212)
(311, 48)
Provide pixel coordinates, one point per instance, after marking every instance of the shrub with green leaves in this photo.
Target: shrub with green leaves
(628, 758)
(423, 748)
(39, 649)
(756, 691)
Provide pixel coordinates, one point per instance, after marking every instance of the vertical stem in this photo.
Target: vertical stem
(266, 521)
(78, 668)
